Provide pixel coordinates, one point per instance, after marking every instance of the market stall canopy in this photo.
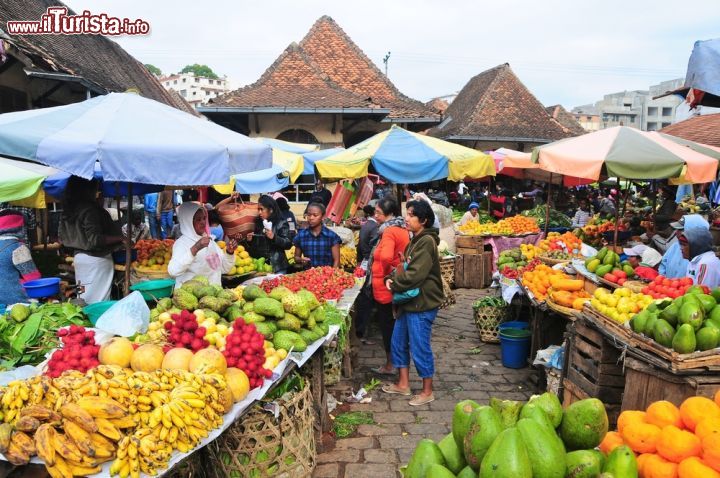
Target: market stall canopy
(21, 182)
(297, 148)
(286, 168)
(519, 165)
(702, 80)
(135, 139)
(405, 157)
(312, 157)
(55, 184)
(628, 153)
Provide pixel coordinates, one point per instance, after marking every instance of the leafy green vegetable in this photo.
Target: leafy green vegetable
(557, 219)
(346, 423)
(489, 302)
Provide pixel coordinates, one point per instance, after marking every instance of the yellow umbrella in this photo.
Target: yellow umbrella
(288, 164)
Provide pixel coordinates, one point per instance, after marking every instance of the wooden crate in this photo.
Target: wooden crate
(572, 393)
(473, 271)
(648, 384)
(594, 364)
(470, 242)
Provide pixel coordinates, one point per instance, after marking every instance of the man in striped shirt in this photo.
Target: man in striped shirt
(583, 214)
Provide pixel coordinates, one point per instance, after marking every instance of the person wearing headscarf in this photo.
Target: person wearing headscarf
(195, 252)
(88, 230)
(16, 263)
(673, 264)
(704, 266)
(470, 215)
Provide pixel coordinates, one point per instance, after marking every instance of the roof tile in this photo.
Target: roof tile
(701, 129)
(567, 120)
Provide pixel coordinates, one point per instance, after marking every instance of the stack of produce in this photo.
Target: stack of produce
(567, 292)
(669, 441)
(530, 251)
(686, 324)
(557, 219)
(153, 254)
(606, 264)
(515, 225)
(662, 287)
(326, 283)
(511, 259)
(348, 257)
(28, 332)
(566, 242)
(592, 233)
(619, 305)
(538, 282)
(509, 439)
(244, 264)
(483, 217)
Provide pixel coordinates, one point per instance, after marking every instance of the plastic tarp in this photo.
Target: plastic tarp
(703, 72)
(135, 139)
(311, 158)
(21, 181)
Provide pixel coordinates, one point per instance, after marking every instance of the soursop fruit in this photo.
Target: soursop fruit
(266, 328)
(182, 299)
(164, 304)
(205, 291)
(289, 322)
(308, 335)
(286, 339)
(202, 279)
(215, 304)
(309, 299)
(228, 294)
(279, 292)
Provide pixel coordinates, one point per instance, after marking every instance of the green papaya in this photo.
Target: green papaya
(628, 270)
(653, 307)
(507, 457)
(683, 342)
(509, 410)
(454, 457)
(602, 270)
(602, 253)
(461, 420)
(670, 313)
(663, 333)
(589, 260)
(708, 302)
(438, 471)
(691, 313)
(583, 464)
(712, 323)
(584, 424)
(550, 404)
(534, 412)
(467, 472)
(638, 321)
(593, 265)
(715, 313)
(485, 426)
(610, 259)
(425, 455)
(546, 453)
(696, 289)
(708, 337)
(621, 463)
(649, 330)
(663, 303)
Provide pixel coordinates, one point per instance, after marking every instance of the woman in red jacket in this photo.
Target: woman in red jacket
(384, 258)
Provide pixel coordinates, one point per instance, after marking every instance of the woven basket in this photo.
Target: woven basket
(447, 270)
(551, 262)
(260, 445)
(144, 275)
(487, 320)
(448, 295)
(332, 366)
(238, 218)
(191, 467)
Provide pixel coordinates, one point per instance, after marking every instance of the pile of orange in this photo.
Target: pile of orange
(552, 243)
(153, 254)
(672, 442)
(538, 280)
(520, 224)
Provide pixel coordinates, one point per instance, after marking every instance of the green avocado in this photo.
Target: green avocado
(664, 333)
(708, 337)
(684, 340)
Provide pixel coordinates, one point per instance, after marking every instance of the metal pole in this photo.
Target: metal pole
(547, 205)
(128, 240)
(617, 214)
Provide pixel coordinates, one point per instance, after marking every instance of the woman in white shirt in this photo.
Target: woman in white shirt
(195, 252)
(471, 214)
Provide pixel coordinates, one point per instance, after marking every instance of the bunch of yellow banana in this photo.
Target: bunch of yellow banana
(21, 393)
(348, 256)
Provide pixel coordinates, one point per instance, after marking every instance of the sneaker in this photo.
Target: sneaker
(394, 389)
(418, 400)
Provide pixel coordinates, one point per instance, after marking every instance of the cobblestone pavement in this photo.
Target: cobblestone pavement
(465, 368)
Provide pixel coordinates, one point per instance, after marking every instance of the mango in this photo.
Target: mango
(684, 340)
(593, 265)
(691, 313)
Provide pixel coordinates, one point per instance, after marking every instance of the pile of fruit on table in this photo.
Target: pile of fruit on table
(153, 254)
(566, 242)
(567, 292)
(511, 439)
(538, 280)
(326, 282)
(348, 257)
(244, 264)
(607, 264)
(662, 287)
(515, 225)
(686, 324)
(512, 263)
(593, 232)
(671, 441)
(621, 304)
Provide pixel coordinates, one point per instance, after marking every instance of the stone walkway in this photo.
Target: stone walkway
(465, 368)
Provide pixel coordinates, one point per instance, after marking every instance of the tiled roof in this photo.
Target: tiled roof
(701, 129)
(326, 69)
(566, 119)
(95, 58)
(495, 104)
(438, 104)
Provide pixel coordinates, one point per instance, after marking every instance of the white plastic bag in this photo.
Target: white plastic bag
(127, 317)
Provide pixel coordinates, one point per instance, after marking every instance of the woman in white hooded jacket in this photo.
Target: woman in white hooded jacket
(195, 252)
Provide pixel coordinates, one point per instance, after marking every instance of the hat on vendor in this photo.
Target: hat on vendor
(473, 205)
(648, 256)
(690, 220)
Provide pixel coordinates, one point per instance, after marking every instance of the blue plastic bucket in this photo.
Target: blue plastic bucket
(518, 324)
(514, 347)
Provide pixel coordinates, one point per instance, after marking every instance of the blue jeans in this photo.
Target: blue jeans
(411, 336)
(154, 226)
(166, 223)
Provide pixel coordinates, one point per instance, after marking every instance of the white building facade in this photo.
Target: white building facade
(196, 90)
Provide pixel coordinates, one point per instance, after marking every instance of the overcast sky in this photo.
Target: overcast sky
(565, 51)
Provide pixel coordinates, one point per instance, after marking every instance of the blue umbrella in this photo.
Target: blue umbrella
(267, 180)
(55, 184)
(135, 139)
(310, 158)
(287, 146)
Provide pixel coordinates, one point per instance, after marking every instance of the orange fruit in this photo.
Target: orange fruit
(694, 467)
(675, 444)
(707, 426)
(629, 416)
(656, 466)
(695, 409)
(711, 450)
(641, 459)
(611, 441)
(641, 437)
(717, 398)
(663, 413)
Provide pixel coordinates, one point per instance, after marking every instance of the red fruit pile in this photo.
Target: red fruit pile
(183, 331)
(662, 287)
(244, 350)
(359, 272)
(325, 282)
(79, 351)
(616, 277)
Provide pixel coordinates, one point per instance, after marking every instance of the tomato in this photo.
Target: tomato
(666, 282)
(621, 281)
(659, 279)
(620, 274)
(686, 281)
(675, 284)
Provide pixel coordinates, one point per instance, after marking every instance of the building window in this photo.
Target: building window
(210, 82)
(627, 105)
(174, 82)
(184, 80)
(194, 93)
(197, 80)
(652, 126)
(652, 110)
(665, 124)
(667, 111)
(298, 136)
(183, 93)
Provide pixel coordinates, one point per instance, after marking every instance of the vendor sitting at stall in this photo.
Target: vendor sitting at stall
(140, 230)
(271, 237)
(704, 266)
(470, 215)
(16, 263)
(195, 252)
(583, 214)
(660, 236)
(317, 245)
(644, 260)
(673, 264)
